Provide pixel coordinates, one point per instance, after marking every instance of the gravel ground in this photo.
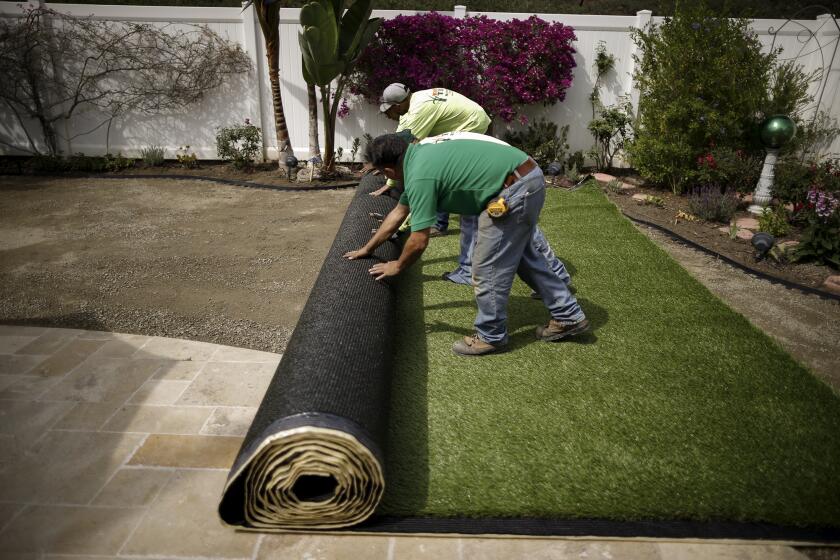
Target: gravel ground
(184, 259)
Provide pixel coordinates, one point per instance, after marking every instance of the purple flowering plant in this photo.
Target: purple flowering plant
(501, 65)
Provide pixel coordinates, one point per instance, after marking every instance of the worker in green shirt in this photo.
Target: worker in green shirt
(505, 189)
(431, 112)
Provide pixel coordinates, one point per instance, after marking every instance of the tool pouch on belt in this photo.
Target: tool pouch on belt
(497, 207)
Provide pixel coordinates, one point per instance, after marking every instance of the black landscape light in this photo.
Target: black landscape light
(762, 242)
(291, 163)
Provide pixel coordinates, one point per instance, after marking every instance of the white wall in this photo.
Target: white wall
(249, 95)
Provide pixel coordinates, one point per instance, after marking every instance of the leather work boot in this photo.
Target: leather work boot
(555, 330)
(474, 346)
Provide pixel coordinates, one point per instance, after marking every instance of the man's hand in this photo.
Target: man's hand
(381, 191)
(357, 254)
(383, 270)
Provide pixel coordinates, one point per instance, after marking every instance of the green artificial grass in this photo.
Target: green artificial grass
(674, 407)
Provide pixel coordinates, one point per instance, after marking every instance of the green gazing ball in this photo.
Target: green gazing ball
(777, 131)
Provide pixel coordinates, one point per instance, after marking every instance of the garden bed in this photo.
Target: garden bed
(259, 174)
(709, 235)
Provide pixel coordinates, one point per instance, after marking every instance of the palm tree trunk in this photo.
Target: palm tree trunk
(314, 148)
(329, 131)
(269, 17)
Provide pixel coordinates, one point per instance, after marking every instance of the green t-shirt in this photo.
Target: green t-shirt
(459, 176)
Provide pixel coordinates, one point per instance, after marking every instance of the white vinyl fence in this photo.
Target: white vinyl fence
(249, 95)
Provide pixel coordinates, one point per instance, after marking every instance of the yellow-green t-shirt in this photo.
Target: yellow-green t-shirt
(438, 110)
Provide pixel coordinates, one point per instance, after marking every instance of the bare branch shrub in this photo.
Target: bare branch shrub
(56, 66)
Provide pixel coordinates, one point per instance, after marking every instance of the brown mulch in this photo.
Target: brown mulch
(707, 234)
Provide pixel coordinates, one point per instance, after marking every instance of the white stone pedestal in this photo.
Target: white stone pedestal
(764, 189)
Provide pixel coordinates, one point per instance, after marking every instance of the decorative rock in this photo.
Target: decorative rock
(744, 234)
(832, 284)
(304, 175)
(747, 198)
(640, 197)
(785, 245)
(747, 223)
(627, 186)
(603, 177)
(724, 229)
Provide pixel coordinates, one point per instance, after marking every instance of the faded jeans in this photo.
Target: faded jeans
(503, 249)
(463, 274)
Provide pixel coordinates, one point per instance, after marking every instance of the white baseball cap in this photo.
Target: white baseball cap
(393, 94)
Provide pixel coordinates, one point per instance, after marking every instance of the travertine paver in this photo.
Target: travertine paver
(183, 522)
(229, 421)
(229, 384)
(190, 452)
(124, 456)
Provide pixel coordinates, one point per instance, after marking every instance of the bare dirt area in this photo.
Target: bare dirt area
(187, 259)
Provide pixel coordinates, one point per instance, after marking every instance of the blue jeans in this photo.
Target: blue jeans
(463, 274)
(442, 223)
(503, 249)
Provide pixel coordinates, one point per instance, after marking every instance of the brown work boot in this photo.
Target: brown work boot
(474, 346)
(556, 330)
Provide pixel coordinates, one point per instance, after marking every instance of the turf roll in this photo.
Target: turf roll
(313, 456)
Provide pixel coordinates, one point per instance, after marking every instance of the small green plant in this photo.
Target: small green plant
(153, 155)
(712, 204)
(774, 221)
(239, 144)
(733, 230)
(186, 158)
(654, 200)
(117, 162)
(339, 153)
(572, 174)
(614, 186)
(576, 160)
(354, 148)
(543, 141)
(42, 163)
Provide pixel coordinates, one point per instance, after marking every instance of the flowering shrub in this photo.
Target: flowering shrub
(821, 238)
(501, 65)
(737, 169)
(704, 82)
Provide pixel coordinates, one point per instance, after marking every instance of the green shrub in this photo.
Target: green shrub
(738, 170)
(794, 179)
(774, 221)
(541, 141)
(704, 82)
(712, 204)
(239, 144)
(153, 155)
(611, 129)
(117, 162)
(43, 163)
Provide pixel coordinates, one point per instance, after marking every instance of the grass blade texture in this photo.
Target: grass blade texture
(675, 407)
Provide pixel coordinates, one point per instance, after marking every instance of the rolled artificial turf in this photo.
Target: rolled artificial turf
(673, 408)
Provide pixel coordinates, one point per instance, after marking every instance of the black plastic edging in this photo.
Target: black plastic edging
(225, 181)
(763, 275)
(536, 527)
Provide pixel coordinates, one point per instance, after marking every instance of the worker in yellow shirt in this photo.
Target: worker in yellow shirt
(431, 112)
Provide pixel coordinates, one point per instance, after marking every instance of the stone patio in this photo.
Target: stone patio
(117, 446)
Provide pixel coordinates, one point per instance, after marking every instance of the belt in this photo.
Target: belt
(523, 169)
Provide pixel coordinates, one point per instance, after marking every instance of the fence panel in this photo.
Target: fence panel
(249, 96)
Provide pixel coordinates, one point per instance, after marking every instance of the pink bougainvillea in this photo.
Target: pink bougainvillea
(501, 65)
